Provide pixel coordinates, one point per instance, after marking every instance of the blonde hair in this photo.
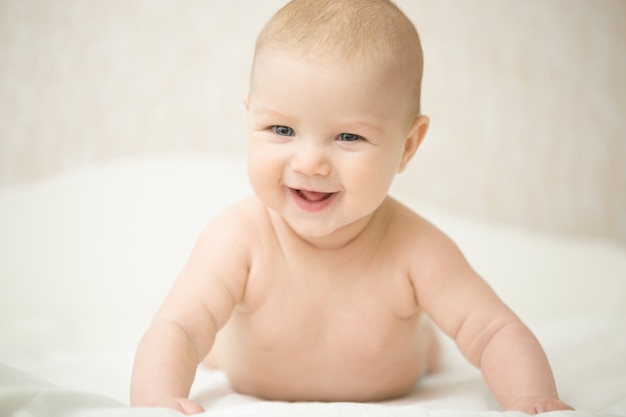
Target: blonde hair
(371, 33)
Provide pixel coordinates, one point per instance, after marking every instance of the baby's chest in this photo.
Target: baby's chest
(366, 312)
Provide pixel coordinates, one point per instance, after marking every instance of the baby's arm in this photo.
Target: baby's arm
(184, 329)
(517, 370)
(488, 333)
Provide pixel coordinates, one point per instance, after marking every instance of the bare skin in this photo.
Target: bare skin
(351, 325)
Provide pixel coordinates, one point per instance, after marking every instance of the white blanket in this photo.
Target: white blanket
(87, 256)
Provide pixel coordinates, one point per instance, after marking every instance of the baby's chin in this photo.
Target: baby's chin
(329, 234)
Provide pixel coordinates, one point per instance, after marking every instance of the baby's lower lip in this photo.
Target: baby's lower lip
(312, 200)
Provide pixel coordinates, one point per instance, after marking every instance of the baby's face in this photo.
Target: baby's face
(325, 140)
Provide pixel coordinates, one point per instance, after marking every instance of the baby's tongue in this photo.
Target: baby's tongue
(313, 195)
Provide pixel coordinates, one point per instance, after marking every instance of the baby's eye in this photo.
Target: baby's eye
(283, 130)
(348, 137)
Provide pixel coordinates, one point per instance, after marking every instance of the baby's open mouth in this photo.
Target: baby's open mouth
(313, 196)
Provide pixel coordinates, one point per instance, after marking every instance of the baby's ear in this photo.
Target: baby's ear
(246, 100)
(414, 140)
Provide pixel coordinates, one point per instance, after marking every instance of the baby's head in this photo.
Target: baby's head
(333, 112)
(367, 35)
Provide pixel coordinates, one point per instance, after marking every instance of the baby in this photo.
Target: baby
(316, 289)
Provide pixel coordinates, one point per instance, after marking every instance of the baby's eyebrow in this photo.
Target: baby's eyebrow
(362, 124)
(273, 115)
(267, 110)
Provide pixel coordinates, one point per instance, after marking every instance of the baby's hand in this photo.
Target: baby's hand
(536, 405)
(183, 405)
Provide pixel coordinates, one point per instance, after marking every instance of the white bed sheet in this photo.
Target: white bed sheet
(88, 255)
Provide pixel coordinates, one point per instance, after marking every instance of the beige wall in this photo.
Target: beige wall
(527, 98)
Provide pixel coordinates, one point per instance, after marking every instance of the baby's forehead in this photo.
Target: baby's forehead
(278, 67)
(375, 69)
(375, 64)
(282, 81)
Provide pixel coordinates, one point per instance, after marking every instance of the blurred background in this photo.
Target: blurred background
(526, 99)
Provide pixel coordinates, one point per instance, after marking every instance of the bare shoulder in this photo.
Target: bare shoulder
(446, 286)
(417, 233)
(432, 255)
(236, 224)
(222, 254)
(227, 244)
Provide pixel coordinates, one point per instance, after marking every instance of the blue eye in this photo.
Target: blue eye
(283, 130)
(348, 137)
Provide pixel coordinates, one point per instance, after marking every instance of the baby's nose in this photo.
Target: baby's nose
(310, 160)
